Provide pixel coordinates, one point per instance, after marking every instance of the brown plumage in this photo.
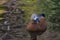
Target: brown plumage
(36, 28)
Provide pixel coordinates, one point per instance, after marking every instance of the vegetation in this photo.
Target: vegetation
(56, 17)
(49, 7)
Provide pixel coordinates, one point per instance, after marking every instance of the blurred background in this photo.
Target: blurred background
(18, 12)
